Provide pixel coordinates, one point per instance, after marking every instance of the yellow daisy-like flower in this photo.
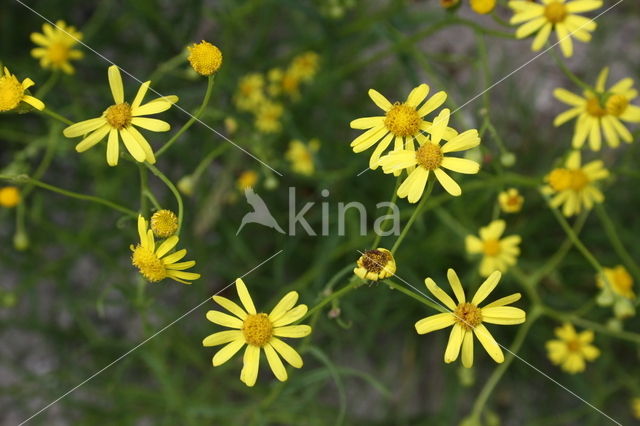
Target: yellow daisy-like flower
(247, 179)
(154, 263)
(468, 318)
(56, 46)
(164, 223)
(431, 157)
(635, 407)
(572, 349)
(12, 92)
(375, 265)
(250, 93)
(300, 156)
(268, 117)
(600, 112)
(573, 186)
(205, 58)
(559, 14)
(617, 291)
(402, 123)
(259, 331)
(497, 254)
(304, 66)
(120, 120)
(9, 196)
(483, 6)
(510, 200)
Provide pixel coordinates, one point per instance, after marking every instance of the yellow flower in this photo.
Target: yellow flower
(402, 123)
(154, 263)
(600, 111)
(301, 157)
(268, 117)
(468, 318)
(12, 92)
(304, 66)
(571, 349)
(291, 84)
(497, 254)
(247, 179)
(9, 196)
(120, 119)
(186, 185)
(375, 265)
(431, 157)
(635, 407)
(250, 93)
(56, 46)
(573, 186)
(230, 125)
(510, 200)
(558, 14)
(259, 331)
(164, 223)
(448, 4)
(205, 58)
(483, 6)
(617, 291)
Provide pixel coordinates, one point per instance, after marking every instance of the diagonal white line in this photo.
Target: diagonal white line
(437, 302)
(153, 90)
(525, 64)
(143, 342)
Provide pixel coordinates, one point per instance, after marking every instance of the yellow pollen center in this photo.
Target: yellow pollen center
(562, 179)
(429, 156)
(402, 120)
(119, 116)
(594, 109)
(574, 345)
(513, 201)
(148, 263)
(164, 223)
(468, 315)
(11, 93)
(616, 105)
(555, 12)
(205, 58)
(622, 281)
(257, 329)
(491, 247)
(58, 53)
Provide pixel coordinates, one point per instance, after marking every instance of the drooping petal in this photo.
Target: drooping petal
(460, 165)
(113, 148)
(454, 344)
(440, 294)
(245, 297)
(132, 145)
(224, 320)
(152, 124)
(467, 349)
(83, 127)
(222, 337)
(93, 138)
(489, 343)
(275, 363)
(450, 185)
(435, 322)
(224, 354)
(251, 361)
(287, 352)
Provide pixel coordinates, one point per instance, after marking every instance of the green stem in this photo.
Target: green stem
(614, 238)
(497, 374)
(416, 296)
(394, 197)
(57, 116)
(353, 283)
(568, 72)
(414, 216)
(172, 188)
(48, 85)
(602, 329)
(193, 118)
(202, 166)
(71, 194)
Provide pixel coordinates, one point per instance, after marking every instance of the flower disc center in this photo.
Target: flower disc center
(257, 329)
(119, 116)
(429, 156)
(491, 247)
(148, 263)
(555, 12)
(468, 315)
(402, 120)
(11, 93)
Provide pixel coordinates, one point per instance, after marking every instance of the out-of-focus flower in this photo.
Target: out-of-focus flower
(9, 196)
(573, 186)
(449, 4)
(259, 332)
(205, 58)
(600, 111)
(468, 318)
(431, 157)
(247, 179)
(497, 254)
(540, 19)
(510, 200)
(155, 263)
(483, 6)
(12, 92)
(230, 125)
(375, 265)
(119, 121)
(268, 117)
(250, 93)
(304, 66)
(56, 46)
(186, 185)
(571, 350)
(635, 407)
(617, 291)
(300, 156)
